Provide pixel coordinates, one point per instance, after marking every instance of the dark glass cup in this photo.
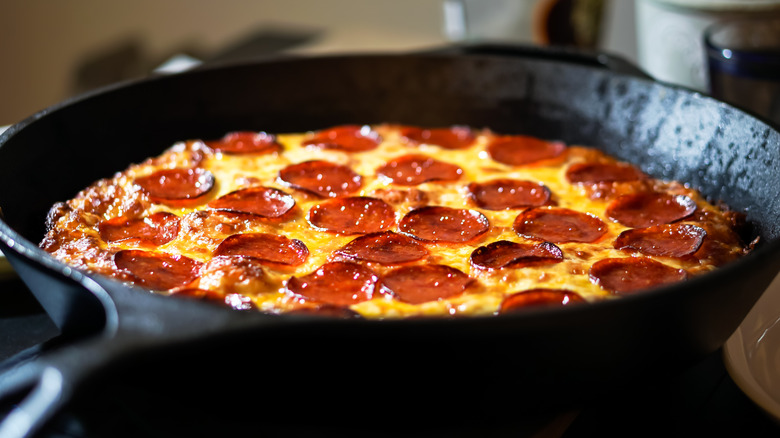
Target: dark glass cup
(743, 57)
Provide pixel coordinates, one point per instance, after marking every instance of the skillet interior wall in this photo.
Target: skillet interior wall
(669, 132)
(66, 149)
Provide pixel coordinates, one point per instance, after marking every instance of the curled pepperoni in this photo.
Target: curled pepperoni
(337, 283)
(321, 178)
(177, 186)
(623, 275)
(505, 193)
(668, 240)
(233, 300)
(348, 138)
(641, 210)
(157, 271)
(386, 248)
(536, 298)
(559, 225)
(454, 137)
(260, 201)
(414, 169)
(506, 254)
(444, 224)
(422, 283)
(355, 215)
(518, 150)
(244, 142)
(272, 248)
(593, 172)
(155, 230)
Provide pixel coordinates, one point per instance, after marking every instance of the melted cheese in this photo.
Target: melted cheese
(200, 235)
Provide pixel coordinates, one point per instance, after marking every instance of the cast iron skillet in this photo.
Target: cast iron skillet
(540, 358)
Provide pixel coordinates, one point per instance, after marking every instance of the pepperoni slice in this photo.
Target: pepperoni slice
(624, 275)
(668, 240)
(518, 150)
(414, 169)
(505, 193)
(157, 271)
(454, 137)
(536, 298)
(260, 201)
(177, 186)
(423, 283)
(592, 173)
(244, 142)
(506, 254)
(337, 283)
(387, 248)
(272, 248)
(355, 215)
(640, 210)
(348, 138)
(155, 230)
(559, 225)
(444, 224)
(321, 178)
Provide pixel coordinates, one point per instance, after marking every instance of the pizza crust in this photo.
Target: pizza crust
(74, 236)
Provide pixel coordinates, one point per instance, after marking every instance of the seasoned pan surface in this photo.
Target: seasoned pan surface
(555, 356)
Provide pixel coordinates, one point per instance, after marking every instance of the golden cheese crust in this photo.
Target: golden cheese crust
(390, 221)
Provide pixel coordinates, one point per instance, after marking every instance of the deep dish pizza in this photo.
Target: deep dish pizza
(391, 221)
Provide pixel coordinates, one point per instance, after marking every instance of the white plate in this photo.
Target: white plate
(752, 353)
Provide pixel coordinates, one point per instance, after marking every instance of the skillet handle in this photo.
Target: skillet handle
(50, 381)
(133, 321)
(609, 62)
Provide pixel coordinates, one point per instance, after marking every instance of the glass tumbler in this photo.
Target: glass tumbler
(743, 58)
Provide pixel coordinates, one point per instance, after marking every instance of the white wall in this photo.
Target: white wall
(42, 42)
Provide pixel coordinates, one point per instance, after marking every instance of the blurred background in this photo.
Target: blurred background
(51, 50)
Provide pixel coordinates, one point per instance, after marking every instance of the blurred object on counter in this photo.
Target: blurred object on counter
(267, 40)
(670, 35)
(569, 22)
(115, 62)
(752, 353)
(744, 64)
(177, 64)
(130, 59)
(118, 61)
(547, 22)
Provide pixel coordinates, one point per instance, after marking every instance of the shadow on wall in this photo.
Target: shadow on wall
(128, 59)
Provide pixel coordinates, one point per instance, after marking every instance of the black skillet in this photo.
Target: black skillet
(542, 358)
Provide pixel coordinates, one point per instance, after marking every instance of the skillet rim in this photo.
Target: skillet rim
(32, 252)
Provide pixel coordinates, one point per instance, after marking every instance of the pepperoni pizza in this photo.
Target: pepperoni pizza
(391, 221)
